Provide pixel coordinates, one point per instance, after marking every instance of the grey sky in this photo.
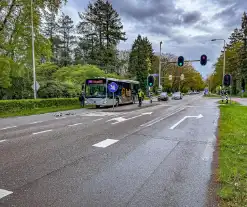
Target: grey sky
(185, 27)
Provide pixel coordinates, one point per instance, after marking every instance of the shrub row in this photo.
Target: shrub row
(29, 104)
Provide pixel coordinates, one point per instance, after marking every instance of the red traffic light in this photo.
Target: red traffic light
(203, 60)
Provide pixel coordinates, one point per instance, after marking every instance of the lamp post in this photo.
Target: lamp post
(33, 55)
(224, 61)
(160, 65)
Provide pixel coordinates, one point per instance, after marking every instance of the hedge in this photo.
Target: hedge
(29, 104)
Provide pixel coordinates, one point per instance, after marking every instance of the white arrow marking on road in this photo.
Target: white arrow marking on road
(121, 119)
(4, 193)
(118, 119)
(197, 117)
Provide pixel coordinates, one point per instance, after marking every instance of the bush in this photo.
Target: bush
(29, 104)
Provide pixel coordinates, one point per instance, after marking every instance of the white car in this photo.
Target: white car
(177, 96)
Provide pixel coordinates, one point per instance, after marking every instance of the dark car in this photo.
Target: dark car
(163, 96)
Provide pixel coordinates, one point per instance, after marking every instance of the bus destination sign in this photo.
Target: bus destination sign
(95, 81)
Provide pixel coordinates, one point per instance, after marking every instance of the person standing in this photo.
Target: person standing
(82, 99)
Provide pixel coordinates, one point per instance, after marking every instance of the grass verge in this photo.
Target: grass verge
(232, 171)
(232, 102)
(41, 110)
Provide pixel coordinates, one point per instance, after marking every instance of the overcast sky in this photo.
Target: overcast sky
(184, 26)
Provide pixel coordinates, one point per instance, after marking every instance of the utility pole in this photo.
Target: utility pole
(224, 63)
(33, 55)
(160, 66)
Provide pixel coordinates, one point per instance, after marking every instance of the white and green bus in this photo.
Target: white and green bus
(97, 93)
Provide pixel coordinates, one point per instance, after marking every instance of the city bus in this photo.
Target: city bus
(97, 93)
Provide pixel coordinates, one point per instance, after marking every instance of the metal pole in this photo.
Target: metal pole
(160, 65)
(113, 101)
(33, 55)
(224, 63)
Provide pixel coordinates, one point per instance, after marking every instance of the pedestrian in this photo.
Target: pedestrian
(82, 99)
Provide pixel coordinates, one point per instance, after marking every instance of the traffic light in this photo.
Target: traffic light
(180, 61)
(203, 60)
(227, 80)
(150, 81)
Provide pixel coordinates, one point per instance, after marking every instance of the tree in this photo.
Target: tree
(65, 30)
(101, 28)
(139, 61)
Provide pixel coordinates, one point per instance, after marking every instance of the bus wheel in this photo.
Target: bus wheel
(97, 106)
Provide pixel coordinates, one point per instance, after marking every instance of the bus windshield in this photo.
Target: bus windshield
(95, 90)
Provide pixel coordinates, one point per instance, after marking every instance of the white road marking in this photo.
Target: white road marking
(159, 119)
(75, 124)
(4, 140)
(208, 152)
(118, 119)
(105, 143)
(121, 119)
(61, 117)
(36, 122)
(9, 127)
(42, 131)
(4, 193)
(179, 122)
(97, 119)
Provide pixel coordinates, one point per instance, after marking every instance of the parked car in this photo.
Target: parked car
(163, 96)
(177, 96)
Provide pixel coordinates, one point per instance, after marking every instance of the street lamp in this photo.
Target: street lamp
(160, 65)
(33, 55)
(224, 62)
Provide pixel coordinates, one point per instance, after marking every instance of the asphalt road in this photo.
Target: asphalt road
(154, 156)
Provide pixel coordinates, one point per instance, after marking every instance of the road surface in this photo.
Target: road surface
(155, 156)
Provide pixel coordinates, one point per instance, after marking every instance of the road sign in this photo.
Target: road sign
(182, 77)
(112, 87)
(37, 86)
(170, 77)
(155, 75)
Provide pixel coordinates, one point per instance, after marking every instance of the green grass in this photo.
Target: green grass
(212, 95)
(232, 102)
(232, 170)
(41, 110)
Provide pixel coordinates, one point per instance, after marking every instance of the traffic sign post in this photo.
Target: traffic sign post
(112, 87)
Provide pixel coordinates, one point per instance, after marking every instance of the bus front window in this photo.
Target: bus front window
(96, 90)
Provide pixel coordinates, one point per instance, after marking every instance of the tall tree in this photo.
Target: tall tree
(50, 29)
(139, 61)
(66, 30)
(101, 28)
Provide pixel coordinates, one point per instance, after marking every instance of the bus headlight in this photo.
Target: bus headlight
(104, 102)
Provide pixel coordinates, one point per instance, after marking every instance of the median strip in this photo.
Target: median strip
(42, 132)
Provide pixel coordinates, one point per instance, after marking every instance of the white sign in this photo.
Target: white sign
(37, 86)
(182, 77)
(170, 77)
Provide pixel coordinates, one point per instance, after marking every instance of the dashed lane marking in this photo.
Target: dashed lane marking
(4, 140)
(75, 124)
(36, 122)
(4, 193)
(97, 119)
(42, 132)
(9, 127)
(105, 143)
